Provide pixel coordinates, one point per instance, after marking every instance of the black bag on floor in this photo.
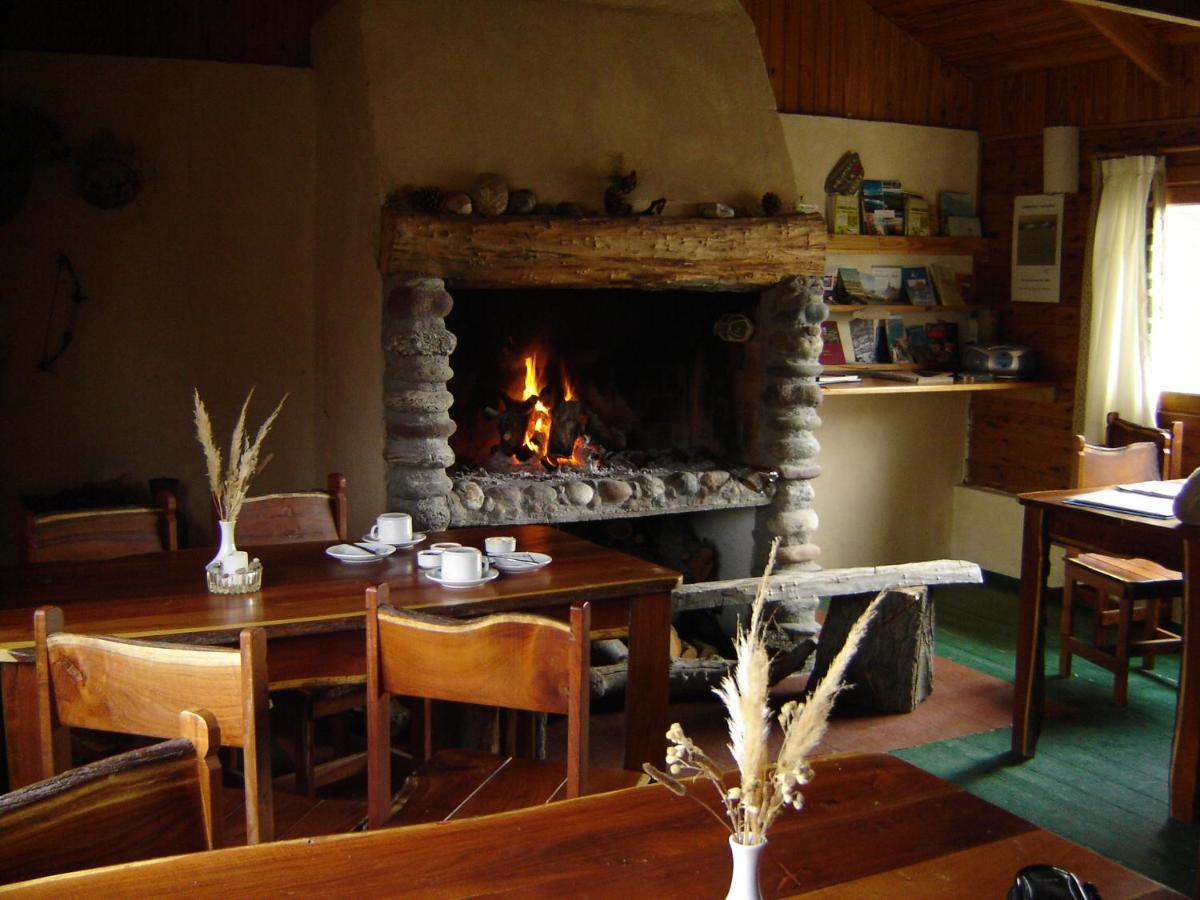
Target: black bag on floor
(1043, 882)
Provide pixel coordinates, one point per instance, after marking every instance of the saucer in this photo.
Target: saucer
(403, 545)
(436, 576)
(519, 561)
(354, 554)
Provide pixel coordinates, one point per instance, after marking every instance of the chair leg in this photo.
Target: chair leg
(1121, 652)
(306, 738)
(1150, 630)
(1066, 628)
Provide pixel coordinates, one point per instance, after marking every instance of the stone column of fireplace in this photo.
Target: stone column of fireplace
(417, 347)
(789, 319)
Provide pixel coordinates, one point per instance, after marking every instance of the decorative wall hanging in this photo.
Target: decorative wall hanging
(108, 174)
(64, 278)
(26, 137)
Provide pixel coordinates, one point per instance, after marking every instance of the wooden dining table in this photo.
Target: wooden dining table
(312, 607)
(873, 826)
(1049, 519)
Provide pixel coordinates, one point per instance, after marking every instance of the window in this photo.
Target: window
(1175, 334)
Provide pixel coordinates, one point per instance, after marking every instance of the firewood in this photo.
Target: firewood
(565, 426)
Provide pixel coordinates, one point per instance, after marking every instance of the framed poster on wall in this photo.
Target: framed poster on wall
(1037, 247)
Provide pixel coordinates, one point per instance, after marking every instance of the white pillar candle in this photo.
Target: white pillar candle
(234, 562)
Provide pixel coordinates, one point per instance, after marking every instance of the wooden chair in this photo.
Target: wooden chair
(1119, 432)
(517, 661)
(155, 801)
(1122, 591)
(293, 518)
(90, 534)
(140, 687)
(1176, 407)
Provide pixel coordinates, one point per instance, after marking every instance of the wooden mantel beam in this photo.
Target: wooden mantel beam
(1129, 36)
(646, 252)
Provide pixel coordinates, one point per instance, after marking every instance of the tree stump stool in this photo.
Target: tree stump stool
(893, 669)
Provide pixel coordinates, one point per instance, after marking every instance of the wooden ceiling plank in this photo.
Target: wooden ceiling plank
(1130, 37)
(1180, 12)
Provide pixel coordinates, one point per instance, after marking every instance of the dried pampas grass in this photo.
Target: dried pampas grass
(765, 786)
(229, 485)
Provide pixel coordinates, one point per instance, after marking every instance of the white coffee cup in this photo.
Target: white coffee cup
(429, 559)
(392, 528)
(496, 546)
(463, 564)
(444, 545)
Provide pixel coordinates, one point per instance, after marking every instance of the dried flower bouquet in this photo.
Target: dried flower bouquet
(765, 787)
(230, 486)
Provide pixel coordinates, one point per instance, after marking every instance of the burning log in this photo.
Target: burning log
(512, 420)
(566, 425)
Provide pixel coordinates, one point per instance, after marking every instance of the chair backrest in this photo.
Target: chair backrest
(515, 660)
(89, 534)
(154, 801)
(1120, 432)
(140, 687)
(294, 517)
(1174, 406)
(1097, 466)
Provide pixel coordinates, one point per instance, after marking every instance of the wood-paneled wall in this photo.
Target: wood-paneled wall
(1111, 92)
(841, 58)
(1017, 446)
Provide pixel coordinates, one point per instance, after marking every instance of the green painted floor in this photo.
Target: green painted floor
(1100, 774)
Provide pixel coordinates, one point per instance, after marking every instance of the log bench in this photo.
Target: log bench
(892, 671)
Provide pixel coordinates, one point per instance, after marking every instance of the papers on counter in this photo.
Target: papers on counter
(1168, 489)
(1139, 504)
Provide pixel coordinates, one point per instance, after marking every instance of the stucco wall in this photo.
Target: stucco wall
(205, 280)
(889, 463)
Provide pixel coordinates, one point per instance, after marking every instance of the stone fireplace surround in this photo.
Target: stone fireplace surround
(425, 258)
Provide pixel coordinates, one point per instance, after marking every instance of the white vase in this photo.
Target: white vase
(227, 546)
(232, 571)
(743, 884)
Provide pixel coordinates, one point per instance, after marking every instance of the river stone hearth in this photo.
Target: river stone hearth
(492, 499)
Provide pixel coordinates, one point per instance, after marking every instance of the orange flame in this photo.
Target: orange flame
(537, 431)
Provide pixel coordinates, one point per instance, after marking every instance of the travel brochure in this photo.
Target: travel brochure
(899, 285)
(882, 206)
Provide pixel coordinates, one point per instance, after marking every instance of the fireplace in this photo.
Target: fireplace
(521, 386)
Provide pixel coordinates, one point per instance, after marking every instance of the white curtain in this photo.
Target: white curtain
(1119, 349)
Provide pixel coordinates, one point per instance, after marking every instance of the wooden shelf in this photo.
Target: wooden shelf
(887, 309)
(929, 246)
(1041, 391)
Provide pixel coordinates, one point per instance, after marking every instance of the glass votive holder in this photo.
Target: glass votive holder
(241, 581)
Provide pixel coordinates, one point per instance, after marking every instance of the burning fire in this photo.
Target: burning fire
(537, 432)
(541, 419)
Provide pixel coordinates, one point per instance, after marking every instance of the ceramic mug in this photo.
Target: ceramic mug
(463, 564)
(496, 546)
(429, 559)
(392, 528)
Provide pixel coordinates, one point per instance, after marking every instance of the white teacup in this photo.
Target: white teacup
(392, 528)
(463, 564)
(501, 544)
(429, 559)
